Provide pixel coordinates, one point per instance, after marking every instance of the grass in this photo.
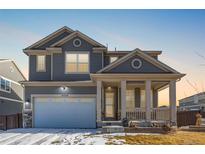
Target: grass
(178, 138)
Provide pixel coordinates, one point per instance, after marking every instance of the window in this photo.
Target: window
(41, 63)
(77, 63)
(77, 43)
(112, 59)
(143, 99)
(130, 99)
(5, 85)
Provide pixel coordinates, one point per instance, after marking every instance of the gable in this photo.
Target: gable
(55, 39)
(50, 39)
(80, 35)
(127, 66)
(8, 69)
(68, 45)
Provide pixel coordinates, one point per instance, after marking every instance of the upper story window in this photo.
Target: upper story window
(5, 85)
(77, 63)
(112, 59)
(41, 63)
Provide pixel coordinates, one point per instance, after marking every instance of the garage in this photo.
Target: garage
(64, 112)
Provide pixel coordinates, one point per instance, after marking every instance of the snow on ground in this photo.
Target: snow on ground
(34, 136)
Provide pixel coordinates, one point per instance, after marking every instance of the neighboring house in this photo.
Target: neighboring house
(11, 91)
(194, 102)
(76, 82)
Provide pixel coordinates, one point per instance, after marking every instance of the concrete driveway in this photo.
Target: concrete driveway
(52, 136)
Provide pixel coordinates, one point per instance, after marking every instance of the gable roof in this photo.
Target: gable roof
(49, 37)
(141, 54)
(74, 34)
(9, 60)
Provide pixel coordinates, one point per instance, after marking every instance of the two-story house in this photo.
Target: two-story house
(11, 91)
(76, 82)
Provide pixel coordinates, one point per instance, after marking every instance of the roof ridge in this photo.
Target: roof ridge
(46, 38)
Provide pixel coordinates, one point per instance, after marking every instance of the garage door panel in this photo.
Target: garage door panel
(65, 113)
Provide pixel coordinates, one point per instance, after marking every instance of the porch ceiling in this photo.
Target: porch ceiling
(157, 85)
(136, 77)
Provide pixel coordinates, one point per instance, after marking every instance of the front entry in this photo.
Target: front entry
(110, 104)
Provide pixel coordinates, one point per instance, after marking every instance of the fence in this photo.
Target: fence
(185, 118)
(11, 121)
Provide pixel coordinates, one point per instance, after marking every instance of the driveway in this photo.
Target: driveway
(33, 136)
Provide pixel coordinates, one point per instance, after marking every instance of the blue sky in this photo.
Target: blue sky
(178, 33)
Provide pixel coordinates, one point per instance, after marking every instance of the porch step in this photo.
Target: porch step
(111, 123)
(113, 129)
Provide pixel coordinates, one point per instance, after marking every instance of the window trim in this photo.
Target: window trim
(134, 95)
(37, 70)
(75, 45)
(4, 90)
(77, 52)
(112, 57)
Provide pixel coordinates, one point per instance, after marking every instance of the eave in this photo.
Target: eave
(48, 51)
(58, 83)
(136, 77)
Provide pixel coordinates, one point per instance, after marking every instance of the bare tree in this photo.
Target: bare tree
(202, 56)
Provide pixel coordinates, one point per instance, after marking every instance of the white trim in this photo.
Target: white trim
(48, 51)
(133, 63)
(136, 76)
(50, 36)
(10, 99)
(63, 95)
(15, 65)
(102, 59)
(10, 80)
(143, 55)
(88, 83)
(4, 90)
(77, 52)
(77, 45)
(79, 34)
(52, 66)
(37, 69)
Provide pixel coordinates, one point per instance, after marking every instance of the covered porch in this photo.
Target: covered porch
(135, 97)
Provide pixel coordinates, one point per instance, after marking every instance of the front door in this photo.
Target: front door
(110, 105)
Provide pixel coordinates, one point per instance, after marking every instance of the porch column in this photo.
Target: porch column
(99, 101)
(123, 99)
(155, 98)
(148, 100)
(172, 102)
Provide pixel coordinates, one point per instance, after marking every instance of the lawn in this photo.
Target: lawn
(178, 138)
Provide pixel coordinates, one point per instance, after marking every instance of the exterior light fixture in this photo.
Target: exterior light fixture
(64, 88)
(109, 88)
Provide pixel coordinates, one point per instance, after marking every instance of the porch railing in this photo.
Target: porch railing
(157, 114)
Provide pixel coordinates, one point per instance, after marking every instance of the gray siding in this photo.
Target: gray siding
(39, 76)
(16, 92)
(126, 67)
(57, 90)
(52, 41)
(10, 107)
(59, 62)
(8, 70)
(106, 60)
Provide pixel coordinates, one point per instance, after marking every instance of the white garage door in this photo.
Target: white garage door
(64, 112)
